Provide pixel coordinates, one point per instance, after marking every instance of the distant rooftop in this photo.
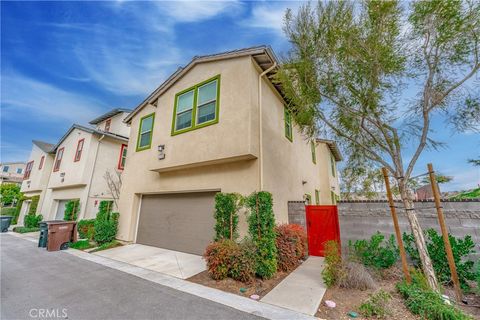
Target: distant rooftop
(109, 114)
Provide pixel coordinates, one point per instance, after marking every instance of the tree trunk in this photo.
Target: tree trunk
(418, 235)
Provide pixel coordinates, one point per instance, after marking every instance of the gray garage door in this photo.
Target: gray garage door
(182, 222)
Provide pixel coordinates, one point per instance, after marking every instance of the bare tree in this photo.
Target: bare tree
(114, 184)
(354, 69)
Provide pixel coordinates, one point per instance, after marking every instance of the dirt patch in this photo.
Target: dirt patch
(350, 299)
(473, 303)
(258, 286)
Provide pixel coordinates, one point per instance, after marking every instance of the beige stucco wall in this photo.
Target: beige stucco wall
(117, 125)
(286, 164)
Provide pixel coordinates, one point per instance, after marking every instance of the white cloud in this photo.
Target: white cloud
(28, 97)
(194, 11)
(462, 179)
(269, 15)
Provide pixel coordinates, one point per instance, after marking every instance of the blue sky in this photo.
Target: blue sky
(66, 62)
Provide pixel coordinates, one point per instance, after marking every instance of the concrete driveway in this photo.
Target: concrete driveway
(178, 264)
(36, 283)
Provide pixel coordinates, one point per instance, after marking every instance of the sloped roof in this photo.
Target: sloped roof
(44, 146)
(90, 130)
(109, 114)
(263, 55)
(332, 145)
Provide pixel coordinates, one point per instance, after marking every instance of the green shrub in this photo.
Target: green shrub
(25, 229)
(420, 300)
(376, 252)
(461, 248)
(9, 211)
(19, 208)
(81, 245)
(332, 271)
(31, 220)
(106, 223)
(226, 215)
(242, 262)
(72, 208)
(86, 229)
(291, 245)
(261, 227)
(9, 191)
(33, 205)
(376, 305)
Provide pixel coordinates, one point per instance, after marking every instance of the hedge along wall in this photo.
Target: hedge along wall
(33, 205)
(361, 219)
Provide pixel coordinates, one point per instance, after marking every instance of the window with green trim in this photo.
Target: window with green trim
(288, 125)
(317, 197)
(332, 164)
(197, 106)
(314, 155)
(145, 132)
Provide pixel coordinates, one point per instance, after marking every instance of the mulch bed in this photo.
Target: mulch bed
(259, 286)
(350, 299)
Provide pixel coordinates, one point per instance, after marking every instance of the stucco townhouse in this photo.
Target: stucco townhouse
(76, 166)
(219, 124)
(12, 172)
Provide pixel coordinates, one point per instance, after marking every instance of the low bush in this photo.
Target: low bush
(461, 248)
(355, 275)
(332, 271)
(242, 262)
(421, 300)
(31, 220)
(376, 305)
(9, 211)
(291, 244)
(375, 252)
(81, 245)
(86, 229)
(227, 258)
(25, 229)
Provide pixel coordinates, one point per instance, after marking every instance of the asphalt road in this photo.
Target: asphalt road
(36, 284)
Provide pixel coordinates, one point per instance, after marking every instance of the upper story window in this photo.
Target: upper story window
(107, 125)
(40, 166)
(332, 164)
(58, 159)
(28, 170)
(19, 170)
(314, 155)
(123, 157)
(145, 132)
(288, 125)
(6, 168)
(196, 107)
(78, 153)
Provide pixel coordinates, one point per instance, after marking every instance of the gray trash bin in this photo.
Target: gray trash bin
(5, 222)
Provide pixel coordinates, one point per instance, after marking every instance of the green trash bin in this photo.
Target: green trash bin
(5, 222)
(42, 240)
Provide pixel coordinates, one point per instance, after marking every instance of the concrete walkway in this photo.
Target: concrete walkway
(302, 290)
(178, 264)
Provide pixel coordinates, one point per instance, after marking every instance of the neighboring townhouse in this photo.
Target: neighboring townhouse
(217, 124)
(36, 175)
(75, 168)
(12, 172)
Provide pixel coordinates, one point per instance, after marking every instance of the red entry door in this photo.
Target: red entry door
(322, 226)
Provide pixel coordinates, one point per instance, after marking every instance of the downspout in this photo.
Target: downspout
(260, 123)
(93, 171)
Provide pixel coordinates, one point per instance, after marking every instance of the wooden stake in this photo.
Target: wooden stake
(446, 241)
(403, 255)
